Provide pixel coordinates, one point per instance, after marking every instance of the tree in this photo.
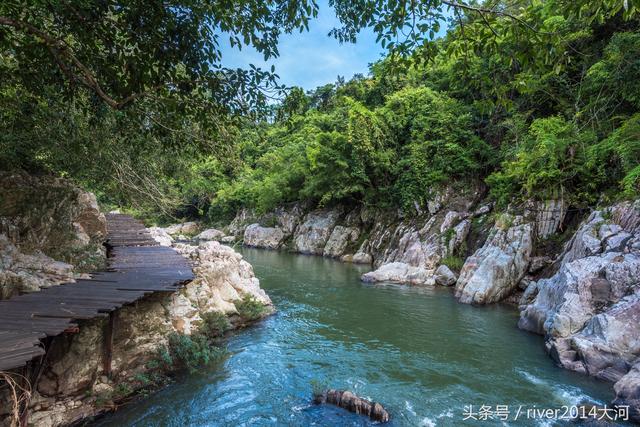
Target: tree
(126, 50)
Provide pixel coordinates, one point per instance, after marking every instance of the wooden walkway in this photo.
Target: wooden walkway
(137, 266)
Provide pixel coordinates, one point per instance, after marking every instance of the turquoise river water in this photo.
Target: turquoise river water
(424, 356)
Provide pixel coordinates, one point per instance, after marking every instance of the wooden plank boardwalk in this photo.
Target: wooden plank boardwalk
(137, 266)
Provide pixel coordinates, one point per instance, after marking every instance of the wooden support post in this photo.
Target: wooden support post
(108, 344)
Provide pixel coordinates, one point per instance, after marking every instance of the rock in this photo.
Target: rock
(210, 234)
(450, 219)
(495, 270)
(351, 402)
(549, 216)
(458, 236)
(444, 276)
(483, 210)
(628, 392)
(538, 263)
(312, 235)
(361, 258)
(341, 237)
(589, 310)
(161, 236)
(51, 215)
(228, 239)
(263, 237)
(585, 242)
(190, 228)
(399, 272)
(22, 273)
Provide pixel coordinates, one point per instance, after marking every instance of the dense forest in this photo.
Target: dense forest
(534, 98)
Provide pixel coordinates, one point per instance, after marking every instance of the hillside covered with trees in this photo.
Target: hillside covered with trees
(532, 98)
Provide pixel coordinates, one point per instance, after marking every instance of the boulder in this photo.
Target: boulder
(444, 276)
(190, 228)
(362, 258)
(312, 235)
(22, 273)
(161, 236)
(341, 237)
(628, 392)
(263, 237)
(495, 270)
(210, 234)
(399, 272)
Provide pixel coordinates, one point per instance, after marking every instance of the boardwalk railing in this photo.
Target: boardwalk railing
(137, 266)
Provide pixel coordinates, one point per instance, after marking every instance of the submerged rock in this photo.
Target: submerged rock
(352, 403)
(495, 270)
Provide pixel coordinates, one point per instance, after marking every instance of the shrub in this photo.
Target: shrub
(552, 158)
(455, 263)
(214, 324)
(249, 308)
(190, 352)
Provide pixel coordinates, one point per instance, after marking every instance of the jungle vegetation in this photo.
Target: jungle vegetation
(532, 98)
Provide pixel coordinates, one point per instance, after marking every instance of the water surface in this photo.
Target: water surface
(417, 351)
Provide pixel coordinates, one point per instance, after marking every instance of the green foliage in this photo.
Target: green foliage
(454, 262)
(249, 308)
(437, 142)
(190, 352)
(214, 324)
(536, 98)
(550, 160)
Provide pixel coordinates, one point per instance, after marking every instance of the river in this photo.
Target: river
(424, 356)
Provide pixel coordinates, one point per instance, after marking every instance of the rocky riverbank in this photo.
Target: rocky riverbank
(69, 383)
(574, 275)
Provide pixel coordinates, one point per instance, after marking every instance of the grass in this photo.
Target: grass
(455, 263)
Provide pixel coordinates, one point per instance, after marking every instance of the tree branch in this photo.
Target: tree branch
(60, 50)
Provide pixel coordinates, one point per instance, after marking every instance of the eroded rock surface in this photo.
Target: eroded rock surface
(50, 232)
(263, 237)
(312, 235)
(589, 310)
(495, 270)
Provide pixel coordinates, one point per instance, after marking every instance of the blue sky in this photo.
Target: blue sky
(312, 58)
